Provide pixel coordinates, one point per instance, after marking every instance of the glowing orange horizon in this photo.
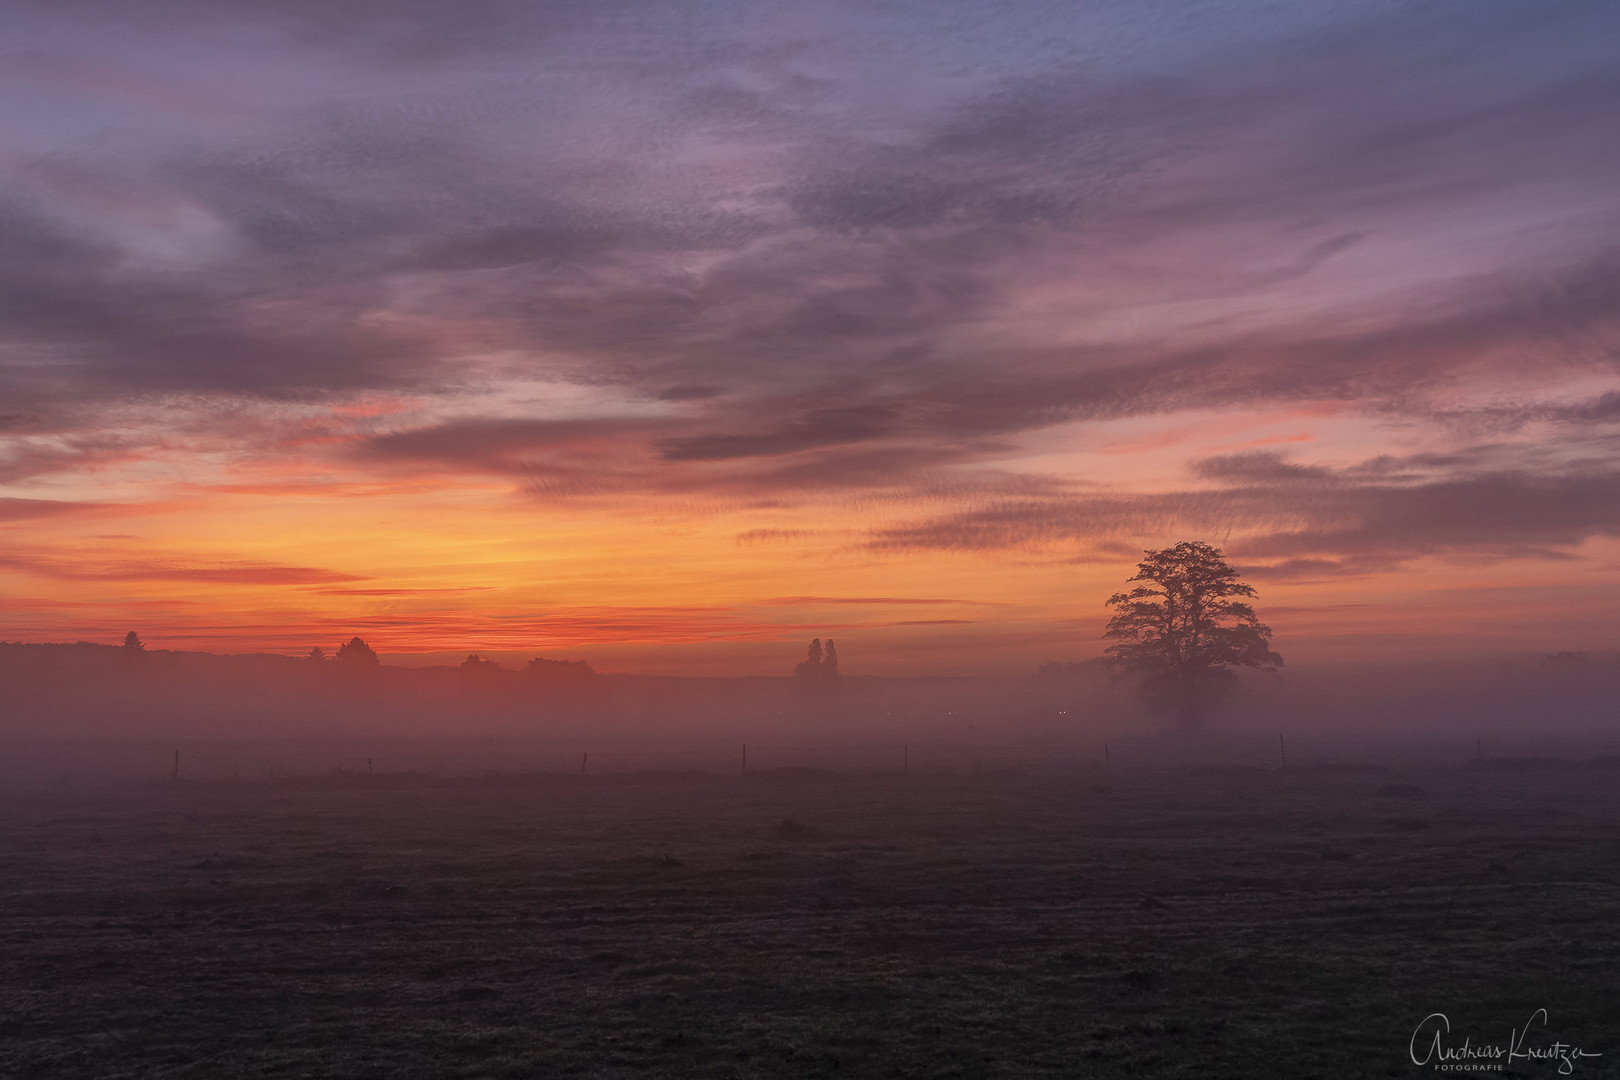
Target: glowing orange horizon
(426, 563)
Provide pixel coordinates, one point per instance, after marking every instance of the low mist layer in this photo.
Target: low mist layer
(86, 690)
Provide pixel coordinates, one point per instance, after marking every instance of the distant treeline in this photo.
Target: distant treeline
(105, 690)
(133, 687)
(354, 660)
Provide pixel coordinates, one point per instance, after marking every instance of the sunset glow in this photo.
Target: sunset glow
(669, 343)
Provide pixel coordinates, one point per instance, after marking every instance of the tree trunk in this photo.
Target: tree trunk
(1191, 704)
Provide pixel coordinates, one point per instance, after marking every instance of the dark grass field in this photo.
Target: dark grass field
(1239, 923)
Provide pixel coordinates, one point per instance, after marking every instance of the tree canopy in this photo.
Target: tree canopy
(817, 673)
(356, 651)
(1185, 628)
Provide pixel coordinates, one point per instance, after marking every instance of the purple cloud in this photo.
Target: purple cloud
(872, 256)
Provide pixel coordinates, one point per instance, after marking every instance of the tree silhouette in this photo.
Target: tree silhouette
(558, 679)
(817, 673)
(133, 643)
(481, 676)
(316, 654)
(1183, 631)
(357, 652)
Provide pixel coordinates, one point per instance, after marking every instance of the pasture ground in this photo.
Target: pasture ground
(1235, 923)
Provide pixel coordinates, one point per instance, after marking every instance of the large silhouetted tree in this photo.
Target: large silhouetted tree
(355, 651)
(1184, 629)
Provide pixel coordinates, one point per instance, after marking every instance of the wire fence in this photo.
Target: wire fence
(66, 763)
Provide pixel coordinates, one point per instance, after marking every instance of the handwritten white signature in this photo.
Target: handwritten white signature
(1470, 1057)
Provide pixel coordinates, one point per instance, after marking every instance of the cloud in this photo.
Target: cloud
(237, 573)
(28, 455)
(504, 444)
(1315, 522)
(817, 428)
(863, 600)
(892, 239)
(1260, 467)
(766, 536)
(26, 509)
(827, 285)
(1297, 570)
(405, 592)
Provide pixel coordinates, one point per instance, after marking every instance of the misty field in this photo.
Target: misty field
(795, 923)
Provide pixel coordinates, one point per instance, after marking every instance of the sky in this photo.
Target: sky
(671, 335)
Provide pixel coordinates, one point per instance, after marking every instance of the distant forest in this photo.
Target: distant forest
(133, 686)
(83, 689)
